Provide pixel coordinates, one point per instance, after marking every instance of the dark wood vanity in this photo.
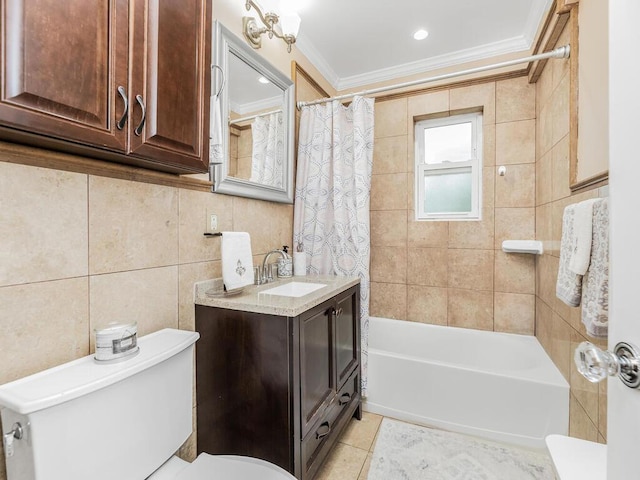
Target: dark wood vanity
(279, 387)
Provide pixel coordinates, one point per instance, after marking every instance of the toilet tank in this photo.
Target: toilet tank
(89, 421)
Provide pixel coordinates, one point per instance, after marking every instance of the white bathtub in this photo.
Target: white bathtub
(499, 386)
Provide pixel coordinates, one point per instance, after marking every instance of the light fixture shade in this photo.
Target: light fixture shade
(290, 24)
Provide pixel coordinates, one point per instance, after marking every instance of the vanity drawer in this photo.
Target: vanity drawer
(318, 442)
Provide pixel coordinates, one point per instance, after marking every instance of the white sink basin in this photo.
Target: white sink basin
(293, 289)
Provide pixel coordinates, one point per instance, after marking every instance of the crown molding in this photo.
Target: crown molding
(537, 14)
(258, 105)
(317, 60)
(515, 44)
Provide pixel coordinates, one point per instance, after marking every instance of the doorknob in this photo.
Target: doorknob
(596, 364)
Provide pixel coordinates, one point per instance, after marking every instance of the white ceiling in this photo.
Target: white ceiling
(359, 42)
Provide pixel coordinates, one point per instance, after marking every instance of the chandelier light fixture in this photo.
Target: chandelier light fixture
(276, 22)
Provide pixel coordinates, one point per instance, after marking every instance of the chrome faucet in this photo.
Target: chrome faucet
(267, 276)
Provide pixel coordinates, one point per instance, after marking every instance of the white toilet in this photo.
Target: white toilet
(90, 421)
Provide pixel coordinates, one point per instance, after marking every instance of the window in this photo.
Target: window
(449, 168)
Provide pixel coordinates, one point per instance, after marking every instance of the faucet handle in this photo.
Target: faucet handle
(257, 275)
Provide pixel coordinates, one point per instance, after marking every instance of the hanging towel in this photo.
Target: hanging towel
(582, 227)
(237, 260)
(595, 301)
(216, 151)
(568, 284)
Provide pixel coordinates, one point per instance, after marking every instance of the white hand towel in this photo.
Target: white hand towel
(216, 150)
(595, 301)
(237, 260)
(568, 284)
(582, 227)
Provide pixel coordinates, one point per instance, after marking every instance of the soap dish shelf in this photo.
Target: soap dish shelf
(523, 246)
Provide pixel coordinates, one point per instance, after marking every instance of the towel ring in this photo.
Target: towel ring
(223, 79)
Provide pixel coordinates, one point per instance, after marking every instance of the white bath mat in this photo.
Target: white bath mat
(410, 452)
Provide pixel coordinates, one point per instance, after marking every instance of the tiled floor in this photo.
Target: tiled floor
(350, 458)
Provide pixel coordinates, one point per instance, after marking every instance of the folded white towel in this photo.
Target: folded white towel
(582, 227)
(595, 301)
(237, 260)
(568, 284)
(216, 150)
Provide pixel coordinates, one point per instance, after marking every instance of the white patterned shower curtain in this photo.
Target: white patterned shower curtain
(268, 150)
(333, 186)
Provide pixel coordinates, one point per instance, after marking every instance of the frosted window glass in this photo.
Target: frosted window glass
(447, 192)
(449, 143)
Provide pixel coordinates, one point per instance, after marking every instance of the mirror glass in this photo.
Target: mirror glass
(256, 104)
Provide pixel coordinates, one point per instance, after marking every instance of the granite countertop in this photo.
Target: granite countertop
(252, 300)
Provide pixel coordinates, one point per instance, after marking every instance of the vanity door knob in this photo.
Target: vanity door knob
(596, 364)
(323, 430)
(138, 130)
(123, 119)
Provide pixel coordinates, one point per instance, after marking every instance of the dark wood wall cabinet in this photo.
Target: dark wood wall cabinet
(275, 387)
(121, 80)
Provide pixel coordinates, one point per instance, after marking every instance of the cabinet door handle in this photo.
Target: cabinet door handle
(344, 398)
(123, 118)
(323, 430)
(138, 130)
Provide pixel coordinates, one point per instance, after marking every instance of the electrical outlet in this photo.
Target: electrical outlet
(213, 222)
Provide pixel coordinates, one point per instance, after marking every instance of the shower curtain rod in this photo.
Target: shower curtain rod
(560, 52)
(251, 117)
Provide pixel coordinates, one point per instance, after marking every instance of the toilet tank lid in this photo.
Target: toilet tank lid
(82, 376)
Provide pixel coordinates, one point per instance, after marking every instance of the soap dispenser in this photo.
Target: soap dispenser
(285, 265)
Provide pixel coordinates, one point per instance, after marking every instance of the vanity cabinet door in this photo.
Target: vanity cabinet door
(62, 65)
(347, 328)
(170, 68)
(317, 379)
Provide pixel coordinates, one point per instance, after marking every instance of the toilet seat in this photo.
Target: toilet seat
(232, 467)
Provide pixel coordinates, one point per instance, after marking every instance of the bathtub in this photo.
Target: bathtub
(498, 386)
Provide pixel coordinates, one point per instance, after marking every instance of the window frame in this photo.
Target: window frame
(474, 165)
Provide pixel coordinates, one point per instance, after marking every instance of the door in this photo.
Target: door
(623, 435)
(63, 66)
(169, 71)
(317, 380)
(347, 335)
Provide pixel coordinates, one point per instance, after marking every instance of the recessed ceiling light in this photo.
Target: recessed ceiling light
(263, 80)
(421, 34)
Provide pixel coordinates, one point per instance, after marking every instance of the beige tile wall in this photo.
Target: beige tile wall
(558, 327)
(79, 251)
(454, 273)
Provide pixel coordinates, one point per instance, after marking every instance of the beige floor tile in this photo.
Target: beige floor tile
(343, 463)
(360, 433)
(364, 473)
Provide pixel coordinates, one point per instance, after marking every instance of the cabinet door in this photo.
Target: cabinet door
(347, 333)
(317, 379)
(62, 64)
(170, 74)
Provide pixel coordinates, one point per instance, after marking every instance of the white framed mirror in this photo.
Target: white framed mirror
(257, 104)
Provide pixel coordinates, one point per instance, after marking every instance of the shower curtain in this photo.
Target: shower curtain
(268, 150)
(333, 185)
